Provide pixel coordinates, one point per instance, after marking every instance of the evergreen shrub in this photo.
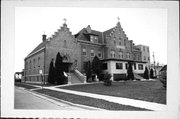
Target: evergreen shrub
(107, 81)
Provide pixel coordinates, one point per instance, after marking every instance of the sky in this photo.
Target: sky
(146, 26)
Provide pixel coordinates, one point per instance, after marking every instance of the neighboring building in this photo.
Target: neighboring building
(145, 54)
(156, 69)
(112, 47)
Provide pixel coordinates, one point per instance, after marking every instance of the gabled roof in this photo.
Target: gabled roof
(40, 46)
(164, 68)
(108, 31)
(84, 35)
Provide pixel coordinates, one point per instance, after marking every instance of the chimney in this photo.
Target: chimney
(44, 37)
(88, 29)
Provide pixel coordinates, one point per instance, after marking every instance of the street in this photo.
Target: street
(27, 100)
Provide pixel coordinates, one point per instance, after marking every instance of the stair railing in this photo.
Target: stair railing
(80, 75)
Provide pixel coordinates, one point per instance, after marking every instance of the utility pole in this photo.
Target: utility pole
(154, 64)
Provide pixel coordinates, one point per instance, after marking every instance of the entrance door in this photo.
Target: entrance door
(67, 67)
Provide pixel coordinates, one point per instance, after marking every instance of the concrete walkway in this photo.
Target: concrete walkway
(25, 99)
(119, 100)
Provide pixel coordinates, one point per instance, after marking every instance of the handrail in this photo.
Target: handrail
(80, 76)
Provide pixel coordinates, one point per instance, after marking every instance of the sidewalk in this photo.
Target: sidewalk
(55, 103)
(119, 100)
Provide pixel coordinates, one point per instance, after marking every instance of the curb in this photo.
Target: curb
(56, 100)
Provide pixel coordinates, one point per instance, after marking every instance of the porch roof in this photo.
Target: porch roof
(125, 60)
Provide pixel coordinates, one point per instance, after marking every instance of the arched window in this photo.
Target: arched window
(30, 65)
(120, 55)
(112, 54)
(34, 63)
(38, 61)
(65, 44)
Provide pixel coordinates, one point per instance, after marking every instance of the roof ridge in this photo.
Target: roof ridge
(39, 46)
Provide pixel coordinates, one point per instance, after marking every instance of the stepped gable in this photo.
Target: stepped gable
(111, 31)
(43, 44)
(62, 28)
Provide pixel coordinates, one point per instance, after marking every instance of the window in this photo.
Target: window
(135, 66)
(92, 53)
(119, 66)
(84, 51)
(144, 57)
(148, 59)
(26, 65)
(65, 44)
(91, 38)
(124, 42)
(119, 42)
(38, 61)
(100, 54)
(126, 65)
(112, 54)
(95, 39)
(147, 49)
(34, 63)
(128, 55)
(120, 55)
(105, 66)
(30, 64)
(140, 66)
(143, 48)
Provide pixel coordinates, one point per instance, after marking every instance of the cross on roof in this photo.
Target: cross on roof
(65, 20)
(118, 19)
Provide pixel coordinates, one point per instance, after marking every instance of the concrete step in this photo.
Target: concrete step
(136, 76)
(75, 79)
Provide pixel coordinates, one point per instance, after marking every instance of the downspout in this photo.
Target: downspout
(25, 70)
(44, 62)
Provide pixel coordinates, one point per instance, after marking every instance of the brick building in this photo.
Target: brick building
(111, 46)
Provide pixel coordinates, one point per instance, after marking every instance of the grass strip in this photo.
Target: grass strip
(83, 100)
(26, 86)
(151, 91)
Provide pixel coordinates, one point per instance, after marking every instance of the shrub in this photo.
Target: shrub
(88, 72)
(59, 75)
(96, 66)
(146, 74)
(151, 73)
(51, 73)
(130, 74)
(107, 81)
(101, 77)
(163, 76)
(164, 82)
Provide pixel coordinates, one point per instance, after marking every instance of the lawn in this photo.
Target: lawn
(88, 101)
(142, 90)
(30, 85)
(25, 85)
